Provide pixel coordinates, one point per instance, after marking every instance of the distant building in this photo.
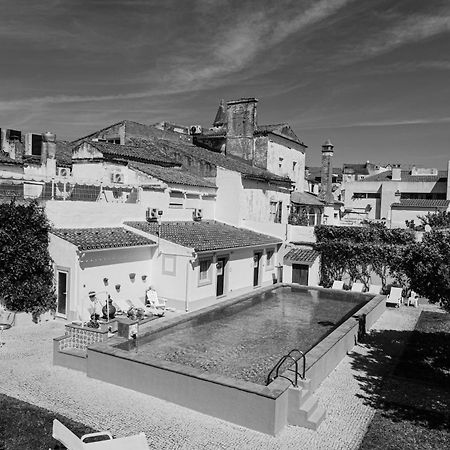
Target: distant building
(396, 195)
(236, 133)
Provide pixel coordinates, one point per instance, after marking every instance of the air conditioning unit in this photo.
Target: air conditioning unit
(195, 129)
(63, 172)
(197, 214)
(117, 177)
(151, 215)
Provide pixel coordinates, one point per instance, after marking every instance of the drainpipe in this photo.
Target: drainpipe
(186, 298)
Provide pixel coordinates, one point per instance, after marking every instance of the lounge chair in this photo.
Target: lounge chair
(413, 299)
(122, 305)
(62, 434)
(337, 284)
(357, 287)
(395, 296)
(375, 289)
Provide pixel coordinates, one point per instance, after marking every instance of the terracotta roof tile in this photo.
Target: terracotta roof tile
(221, 160)
(171, 174)
(305, 198)
(101, 238)
(406, 176)
(302, 254)
(5, 159)
(146, 152)
(206, 235)
(421, 203)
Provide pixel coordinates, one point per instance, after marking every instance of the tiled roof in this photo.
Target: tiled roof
(305, 198)
(101, 238)
(301, 254)
(360, 169)
(221, 160)
(406, 176)
(282, 129)
(171, 174)
(206, 235)
(421, 203)
(148, 152)
(5, 159)
(64, 153)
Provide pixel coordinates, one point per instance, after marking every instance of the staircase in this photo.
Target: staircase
(303, 408)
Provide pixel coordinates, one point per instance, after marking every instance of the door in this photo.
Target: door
(300, 274)
(221, 263)
(256, 265)
(62, 289)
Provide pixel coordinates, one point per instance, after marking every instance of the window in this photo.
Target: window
(280, 162)
(113, 140)
(169, 265)
(275, 212)
(270, 259)
(176, 200)
(36, 144)
(293, 165)
(204, 276)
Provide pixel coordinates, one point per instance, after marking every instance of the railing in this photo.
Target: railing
(274, 373)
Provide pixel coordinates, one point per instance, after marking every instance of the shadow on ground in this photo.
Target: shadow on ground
(406, 377)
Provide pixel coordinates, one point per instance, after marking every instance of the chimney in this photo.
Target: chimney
(326, 193)
(396, 172)
(48, 153)
(241, 125)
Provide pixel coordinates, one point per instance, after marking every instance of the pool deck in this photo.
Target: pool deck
(27, 373)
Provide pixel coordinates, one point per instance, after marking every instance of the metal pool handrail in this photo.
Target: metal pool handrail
(277, 366)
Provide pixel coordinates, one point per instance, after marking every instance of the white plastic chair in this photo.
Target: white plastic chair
(375, 288)
(395, 296)
(337, 284)
(62, 434)
(357, 287)
(413, 299)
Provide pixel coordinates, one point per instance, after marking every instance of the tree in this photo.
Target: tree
(440, 219)
(26, 274)
(427, 265)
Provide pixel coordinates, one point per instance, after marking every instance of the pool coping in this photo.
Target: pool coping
(277, 387)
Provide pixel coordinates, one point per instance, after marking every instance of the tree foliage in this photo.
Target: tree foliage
(427, 265)
(26, 274)
(440, 219)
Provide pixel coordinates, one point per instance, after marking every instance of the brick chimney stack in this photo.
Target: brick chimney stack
(241, 124)
(48, 153)
(326, 193)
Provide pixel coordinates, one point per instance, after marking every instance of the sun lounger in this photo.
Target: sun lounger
(357, 287)
(122, 305)
(337, 284)
(375, 289)
(413, 299)
(395, 296)
(62, 434)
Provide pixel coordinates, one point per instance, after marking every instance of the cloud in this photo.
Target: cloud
(414, 29)
(383, 123)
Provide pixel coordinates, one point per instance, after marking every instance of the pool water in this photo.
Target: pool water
(246, 339)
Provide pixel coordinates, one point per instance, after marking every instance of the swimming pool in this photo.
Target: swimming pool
(246, 339)
(215, 360)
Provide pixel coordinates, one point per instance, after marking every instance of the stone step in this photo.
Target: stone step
(304, 409)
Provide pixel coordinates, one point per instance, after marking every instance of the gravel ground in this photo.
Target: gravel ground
(27, 373)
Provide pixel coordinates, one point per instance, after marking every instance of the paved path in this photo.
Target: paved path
(26, 372)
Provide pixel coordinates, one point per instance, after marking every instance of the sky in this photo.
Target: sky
(372, 76)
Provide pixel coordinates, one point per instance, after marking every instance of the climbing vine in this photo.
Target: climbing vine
(358, 252)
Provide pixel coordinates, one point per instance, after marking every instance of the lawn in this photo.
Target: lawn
(27, 427)
(413, 398)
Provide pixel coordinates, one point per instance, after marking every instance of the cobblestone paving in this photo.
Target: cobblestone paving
(27, 373)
